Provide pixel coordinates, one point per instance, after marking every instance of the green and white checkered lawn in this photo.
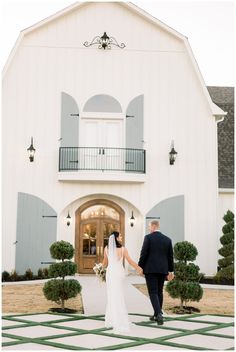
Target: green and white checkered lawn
(51, 331)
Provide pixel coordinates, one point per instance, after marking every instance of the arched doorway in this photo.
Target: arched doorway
(95, 220)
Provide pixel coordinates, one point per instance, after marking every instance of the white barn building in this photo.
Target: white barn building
(103, 122)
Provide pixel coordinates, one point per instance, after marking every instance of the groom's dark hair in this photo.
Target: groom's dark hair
(116, 235)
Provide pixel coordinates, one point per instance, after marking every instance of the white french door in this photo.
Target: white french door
(96, 136)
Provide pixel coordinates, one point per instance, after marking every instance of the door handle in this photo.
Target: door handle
(103, 151)
(98, 250)
(102, 250)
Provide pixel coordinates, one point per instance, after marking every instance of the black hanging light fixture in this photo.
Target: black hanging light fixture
(132, 219)
(68, 219)
(172, 154)
(104, 42)
(31, 151)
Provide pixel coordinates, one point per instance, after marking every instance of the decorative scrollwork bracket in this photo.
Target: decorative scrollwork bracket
(104, 42)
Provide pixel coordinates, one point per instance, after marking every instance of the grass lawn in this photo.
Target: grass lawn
(214, 301)
(30, 299)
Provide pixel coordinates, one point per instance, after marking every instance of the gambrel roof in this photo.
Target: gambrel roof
(215, 110)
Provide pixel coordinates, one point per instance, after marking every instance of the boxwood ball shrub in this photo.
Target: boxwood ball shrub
(5, 276)
(62, 269)
(185, 285)
(59, 289)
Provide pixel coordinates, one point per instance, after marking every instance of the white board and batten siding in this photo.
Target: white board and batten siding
(156, 63)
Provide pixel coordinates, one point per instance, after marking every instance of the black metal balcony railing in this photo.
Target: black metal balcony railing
(99, 158)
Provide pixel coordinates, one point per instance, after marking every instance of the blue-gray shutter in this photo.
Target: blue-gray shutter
(36, 231)
(171, 214)
(69, 133)
(134, 134)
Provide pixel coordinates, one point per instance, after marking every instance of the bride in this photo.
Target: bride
(116, 312)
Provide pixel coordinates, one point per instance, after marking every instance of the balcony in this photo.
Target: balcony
(98, 163)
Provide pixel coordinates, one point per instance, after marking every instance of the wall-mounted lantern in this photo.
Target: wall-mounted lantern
(68, 219)
(104, 42)
(132, 219)
(31, 151)
(172, 154)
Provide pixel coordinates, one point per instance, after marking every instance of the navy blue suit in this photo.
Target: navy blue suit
(156, 260)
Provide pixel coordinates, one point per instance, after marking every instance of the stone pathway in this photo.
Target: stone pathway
(50, 331)
(94, 295)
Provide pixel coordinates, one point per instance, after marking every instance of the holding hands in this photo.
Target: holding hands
(170, 276)
(139, 270)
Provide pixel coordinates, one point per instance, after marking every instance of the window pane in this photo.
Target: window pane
(89, 239)
(85, 247)
(99, 211)
(108, 228)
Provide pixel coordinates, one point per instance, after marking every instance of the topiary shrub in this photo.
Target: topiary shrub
(60, 290)
(29, 274)
(5, 276)
(61, 250)
(14, 276)
(62, 269)
(45, 273)
(185, 285)
(40, 273)
(226, 264)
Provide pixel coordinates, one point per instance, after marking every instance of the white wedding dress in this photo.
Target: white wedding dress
(116, 311)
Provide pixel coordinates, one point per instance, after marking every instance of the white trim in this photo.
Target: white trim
(102, 115)
(37, 25)
(107, 176)
(226, 190)
(152, 19)
(12, 53)
(214, 108)
(219, 118)
(218, 111)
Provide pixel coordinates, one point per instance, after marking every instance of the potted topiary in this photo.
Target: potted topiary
(60, 290)
(186, 282)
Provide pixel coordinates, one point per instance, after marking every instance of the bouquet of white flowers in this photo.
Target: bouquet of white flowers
(100, 271)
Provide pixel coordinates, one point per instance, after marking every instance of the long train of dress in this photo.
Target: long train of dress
(116, 311)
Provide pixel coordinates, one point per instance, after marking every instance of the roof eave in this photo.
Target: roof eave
(218, 112)
(154, 20)
(37, 25)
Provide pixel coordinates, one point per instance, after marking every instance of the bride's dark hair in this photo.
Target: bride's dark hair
(116, 235)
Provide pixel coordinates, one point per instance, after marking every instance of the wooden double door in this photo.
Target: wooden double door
(95, 222)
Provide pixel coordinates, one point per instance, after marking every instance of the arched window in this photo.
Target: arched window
(102, 103)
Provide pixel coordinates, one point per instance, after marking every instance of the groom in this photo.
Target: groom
(156, 260)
